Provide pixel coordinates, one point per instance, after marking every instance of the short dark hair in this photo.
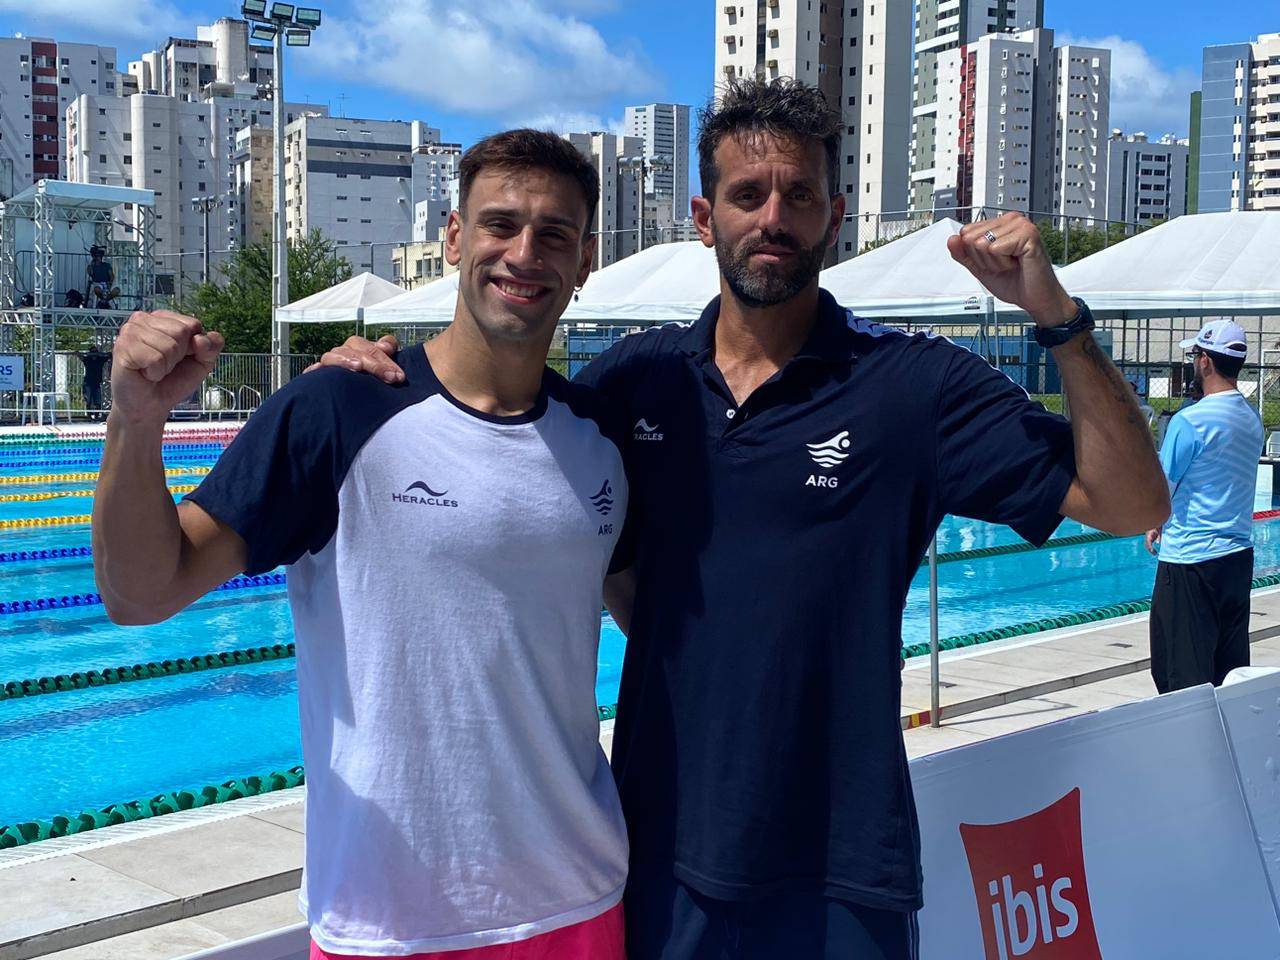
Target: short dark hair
(784, 108)
(1228, 366)
(526, 149)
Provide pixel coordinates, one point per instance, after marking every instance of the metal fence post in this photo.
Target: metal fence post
(935, 706)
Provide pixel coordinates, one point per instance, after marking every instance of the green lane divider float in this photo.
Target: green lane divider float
(981, 553)
(1076, 619)
(32, 831)
(110, 676)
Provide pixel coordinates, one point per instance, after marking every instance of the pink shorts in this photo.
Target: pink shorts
(600, 938)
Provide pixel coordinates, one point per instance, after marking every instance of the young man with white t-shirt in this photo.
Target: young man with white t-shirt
(446, 541)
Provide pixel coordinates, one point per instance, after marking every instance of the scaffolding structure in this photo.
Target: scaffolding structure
(33, 224)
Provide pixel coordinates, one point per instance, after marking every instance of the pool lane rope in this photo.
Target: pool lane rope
(30, 523)
(97, 448)
(1079, 618)
(94, 599)
(53, 553)
(64, 494)
(169, 455)
(1075, 540)
(91, 476)
(111, 676)
(83, 437)
(33, 831)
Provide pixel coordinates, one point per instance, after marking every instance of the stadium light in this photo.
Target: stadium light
(308, 17)
(282, 12)
(262, 31)
(254, 9)
(298, 38)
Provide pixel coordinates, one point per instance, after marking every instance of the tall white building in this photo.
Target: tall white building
(941, 26)
(180, 149)
(353, 180)
(1146, 180)
(218, 56)
(435, 168)
(1082, 98)
(39, 78)
(664, 129)
(1016, 125)
(858, 53)
(1236, 136)
(618, 212)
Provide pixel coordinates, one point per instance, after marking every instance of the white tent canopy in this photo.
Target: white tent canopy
(671, 281)
(344, 302)
(914, 276)
(1204, 264)
(431, 303)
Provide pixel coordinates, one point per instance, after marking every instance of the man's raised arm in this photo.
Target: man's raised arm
(1119, 486)
(152, 558)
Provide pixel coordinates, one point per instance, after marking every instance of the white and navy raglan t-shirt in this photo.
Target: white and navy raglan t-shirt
(445, 571)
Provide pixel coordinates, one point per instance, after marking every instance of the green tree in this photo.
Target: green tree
(238, 304)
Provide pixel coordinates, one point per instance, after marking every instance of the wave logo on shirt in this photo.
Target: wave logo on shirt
(831, 453)
(430, 498)
(1030, 887)
(645, 432)
(603, 499)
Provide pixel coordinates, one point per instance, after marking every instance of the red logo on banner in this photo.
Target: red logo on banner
(1028, 877)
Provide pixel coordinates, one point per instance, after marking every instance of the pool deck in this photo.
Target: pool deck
(163, 888)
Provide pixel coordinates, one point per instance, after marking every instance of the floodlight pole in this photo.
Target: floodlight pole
(280, 245)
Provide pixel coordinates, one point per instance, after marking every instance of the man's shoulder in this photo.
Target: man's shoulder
(925, 350)
(635, 354)
(331, 402)
(656, 340)
(586, 402)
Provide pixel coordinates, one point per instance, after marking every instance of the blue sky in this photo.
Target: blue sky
(476, 66)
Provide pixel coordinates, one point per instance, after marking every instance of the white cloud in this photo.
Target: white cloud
(101, 21)
(1145, 96)
(571, 122)
(500, 58)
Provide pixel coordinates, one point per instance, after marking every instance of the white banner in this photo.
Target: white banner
(11, 372)
(1120, 835)
(1251, 714)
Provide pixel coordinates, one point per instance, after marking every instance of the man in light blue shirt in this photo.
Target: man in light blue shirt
(1200, 604)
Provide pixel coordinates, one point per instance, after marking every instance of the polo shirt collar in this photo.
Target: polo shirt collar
(830, 340)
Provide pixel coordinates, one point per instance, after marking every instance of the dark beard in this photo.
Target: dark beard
(767, 286)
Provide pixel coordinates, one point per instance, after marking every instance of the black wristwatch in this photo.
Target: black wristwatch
(1082, 322)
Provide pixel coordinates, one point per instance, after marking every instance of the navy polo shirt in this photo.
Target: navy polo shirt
(758, 746)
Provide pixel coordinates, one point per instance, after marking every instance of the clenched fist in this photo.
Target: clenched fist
(1007, 256)
(159, 359)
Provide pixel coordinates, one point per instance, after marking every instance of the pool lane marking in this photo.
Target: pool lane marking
(92, 475)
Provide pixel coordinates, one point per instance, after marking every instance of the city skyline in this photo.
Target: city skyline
(575, 65)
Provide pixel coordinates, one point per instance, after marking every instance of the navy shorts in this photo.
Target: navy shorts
(668, 920)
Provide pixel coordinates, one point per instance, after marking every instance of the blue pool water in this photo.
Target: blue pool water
(70, 751)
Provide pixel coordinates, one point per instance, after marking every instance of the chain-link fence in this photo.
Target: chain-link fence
(234, 390)
(1147, 352)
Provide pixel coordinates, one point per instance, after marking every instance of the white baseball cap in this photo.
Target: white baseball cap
(1220, 336)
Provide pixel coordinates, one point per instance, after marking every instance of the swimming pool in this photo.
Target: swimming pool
(86, 748)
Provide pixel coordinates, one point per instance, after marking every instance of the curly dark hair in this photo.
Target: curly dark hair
(784, 108)
(526, 149)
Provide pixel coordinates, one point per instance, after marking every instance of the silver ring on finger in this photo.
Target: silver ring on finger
(989, 236)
